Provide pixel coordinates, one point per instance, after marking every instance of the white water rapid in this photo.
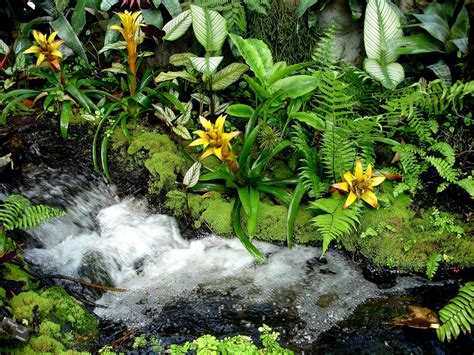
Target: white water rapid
(120, 242)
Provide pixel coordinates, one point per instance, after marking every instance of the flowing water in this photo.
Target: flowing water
(189, 287)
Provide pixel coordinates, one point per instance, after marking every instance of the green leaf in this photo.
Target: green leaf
(303, 6)
(382, 24)
(66, 114)
(244, 196)
(111, 36)
(434, 24)
(178, 26)
(113, 46)
(442, 71)
(78, 19)
(206, 65)
(460, 30)
(240, 110)
(295, 86)
(252, 56)
(152, 17)
(105, 5)
(432, 264)
(3, 47)
(356, 9)
(419, 43)
(171, 75)
(293, 209)
(209, 27)
(228, 75)
(390, 75)
(181, 59)
(191, 177)
(182, 132)
(254, 199)
(173, 7)
(67, 34)
(241, 235)
(311, 119)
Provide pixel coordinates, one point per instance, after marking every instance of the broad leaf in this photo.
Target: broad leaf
(206, 65)
(114, 46)
(303, 6)
(173, 6)
(153, 17)
(419, 43)
(228, 75)
(390, 75)
(178, 26)
(66, 114)
(241, 235)
(442, 71)
(381, 25)
(252, 217)
(251, 56)
(295, 86)
(67, 34)
(240, 110)
(209, 27)
(3, 47)
(192, 175)
(434, 24)
(78, 19)
(171, 75)
(105, 5)
(311, 119)
(181, 59)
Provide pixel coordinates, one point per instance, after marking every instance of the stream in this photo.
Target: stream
(180, 289)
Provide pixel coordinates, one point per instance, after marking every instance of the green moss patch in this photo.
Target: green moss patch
(394, 236)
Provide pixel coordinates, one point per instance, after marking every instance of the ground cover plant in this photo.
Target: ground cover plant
(320, 152)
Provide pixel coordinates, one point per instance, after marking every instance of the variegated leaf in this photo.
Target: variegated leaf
(192, 175)
(182, 132)
(180, 59)
(170, 75)
(206, 65)
(228, 75)
(186, 116)
(178, 26)
(209, 27)
(390, 75)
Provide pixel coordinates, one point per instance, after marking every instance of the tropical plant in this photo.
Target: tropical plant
(381, 26)
(432, 264)
(17, 212)
(458, 315)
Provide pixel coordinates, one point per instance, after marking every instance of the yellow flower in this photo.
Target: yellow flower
(214, 137)
(47, 48)
(360, 186)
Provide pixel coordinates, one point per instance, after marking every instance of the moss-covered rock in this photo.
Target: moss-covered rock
(41, 345)
(13, 272)
(395, 236)
(164, 161)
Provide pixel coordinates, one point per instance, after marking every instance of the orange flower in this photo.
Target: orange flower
(47, 48)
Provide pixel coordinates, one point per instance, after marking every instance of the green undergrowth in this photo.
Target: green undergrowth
(395, 236)
(161, 158)
(215, 211)
(56, 321)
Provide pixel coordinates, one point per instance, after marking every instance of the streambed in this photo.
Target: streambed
(179, 289)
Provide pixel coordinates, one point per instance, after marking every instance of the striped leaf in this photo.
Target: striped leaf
(381, 25)
(295, 86)
(171, 75)
(177, 27)
(67, 34)
(192, 175)
(389, 75)
(206, 65)
(209, 27)
(257, 63)
(227, 76)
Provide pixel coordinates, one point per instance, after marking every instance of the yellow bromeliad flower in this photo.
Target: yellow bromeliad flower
(360, 186)
(129, 31)
(215, 138)
(47, 48)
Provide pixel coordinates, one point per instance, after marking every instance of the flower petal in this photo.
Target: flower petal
(368, 172)
(32, 49)
(369, 197)
(344, 186)
(205, 123)
(57, 53)
(349, 177)
(350, 199)
(199, 141)
(52, 36)
(218, 152)
(208, 152)
(359, 172)
(220, 124)
(40, 59)
(376, 180)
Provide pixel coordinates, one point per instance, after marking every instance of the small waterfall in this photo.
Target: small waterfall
(206, 284)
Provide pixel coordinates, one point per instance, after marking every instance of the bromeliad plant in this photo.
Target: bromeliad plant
(66, 92)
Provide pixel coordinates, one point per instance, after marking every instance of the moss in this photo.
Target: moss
(164, 161)
(13, 272)
(50, 329)
(24, 303)
(67, 311)
(280, 170)
(43, 344)
(217, 214)
(396, 237)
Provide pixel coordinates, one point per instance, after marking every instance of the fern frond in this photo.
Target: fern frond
(444, 168)
(458, 315)
(468, 185)
(325, 52)
(432, 264)
(310, 171)
(16, 212)
(336, 222)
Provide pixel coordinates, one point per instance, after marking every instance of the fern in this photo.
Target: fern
(324, 55)
(17, 213)
(310, 172)
(336, 222)
(458, 315)
(468, 185)
(432, 264)
(338, 151)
